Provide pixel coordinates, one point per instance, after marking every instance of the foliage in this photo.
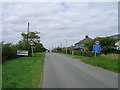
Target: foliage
(87, 53)
(24, 45)
(31, 35)
(59, 49)
(84, 53)
(107, 44)
(69, 51)
(24, 72)
(39, 47)
(64, 51)
(8, 51)
(77, 52)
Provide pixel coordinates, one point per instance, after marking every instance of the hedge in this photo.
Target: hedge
(77, 52)
(8, 52)
(87, 53)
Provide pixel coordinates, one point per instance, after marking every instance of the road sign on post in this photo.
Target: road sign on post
(97, 42)
(31, 42)
(96, 48)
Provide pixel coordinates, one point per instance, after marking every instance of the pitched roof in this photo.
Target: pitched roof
(85, 39)
(117, 36)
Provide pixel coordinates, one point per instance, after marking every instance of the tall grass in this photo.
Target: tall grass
(24, 72)
(113, 56)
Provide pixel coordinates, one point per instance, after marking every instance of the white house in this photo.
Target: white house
(117, 45)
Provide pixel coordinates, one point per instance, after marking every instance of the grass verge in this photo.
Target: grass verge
(24, 72)
(0, 76)
(103, 62)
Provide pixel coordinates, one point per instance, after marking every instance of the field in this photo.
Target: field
(101, 61)
(23, 72)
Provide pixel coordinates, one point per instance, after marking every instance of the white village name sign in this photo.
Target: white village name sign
(22, 52)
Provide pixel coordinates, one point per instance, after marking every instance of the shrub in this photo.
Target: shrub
(64, 51)
(78, 52)
(107, 44)
(88, 53)
(69, 52)
(8, 51)
(84, 53)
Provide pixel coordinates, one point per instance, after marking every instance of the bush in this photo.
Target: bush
(107, 44)
(84, 53)
(8, 51)
(76, 52)
(64, 51)
(88, 53)
(69, 51)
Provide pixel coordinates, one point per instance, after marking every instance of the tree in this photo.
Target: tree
(24, 45)
(39, 47)
(31, 36)
(8, 51)
(107, 44)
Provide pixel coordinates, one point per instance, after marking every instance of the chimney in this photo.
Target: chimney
(86, 36)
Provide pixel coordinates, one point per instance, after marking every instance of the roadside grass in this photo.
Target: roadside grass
(100, 61)
(23, 72)
(0, 76)
(113, 56)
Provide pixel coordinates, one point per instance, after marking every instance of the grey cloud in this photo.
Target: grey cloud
(59, 21)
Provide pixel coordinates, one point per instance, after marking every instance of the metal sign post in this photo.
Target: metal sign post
(32, 50)
(95, 54)
(31, 42)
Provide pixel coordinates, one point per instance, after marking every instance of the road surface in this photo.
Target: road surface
(62, 71)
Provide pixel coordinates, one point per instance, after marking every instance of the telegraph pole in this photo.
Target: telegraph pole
(66, 45)
(28, 37)
(61, 44)
(28, 32)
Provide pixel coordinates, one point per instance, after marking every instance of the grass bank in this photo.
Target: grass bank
(0, 76)
(100, 61)
(24, 72)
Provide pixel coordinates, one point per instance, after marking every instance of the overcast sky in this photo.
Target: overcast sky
(57, 21)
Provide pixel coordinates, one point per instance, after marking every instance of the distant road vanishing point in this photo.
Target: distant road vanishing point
(62, 71)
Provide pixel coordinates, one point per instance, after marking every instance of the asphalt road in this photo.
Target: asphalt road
(61, 71)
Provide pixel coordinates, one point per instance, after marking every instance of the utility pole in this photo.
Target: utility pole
(28, 38)
(61, 44)
(28, 32)
(66, 45)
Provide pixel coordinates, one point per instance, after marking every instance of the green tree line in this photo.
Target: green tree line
(9, 50)
(107, 47)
